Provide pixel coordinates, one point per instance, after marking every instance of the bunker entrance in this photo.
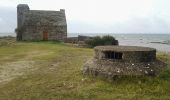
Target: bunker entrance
(113, 55)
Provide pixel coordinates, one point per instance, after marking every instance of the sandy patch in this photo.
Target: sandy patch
(12, 70)
(37, 54)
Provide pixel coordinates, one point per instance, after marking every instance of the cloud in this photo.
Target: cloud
(117, 16)
(7, 20)
(1, 19)
(152, 24)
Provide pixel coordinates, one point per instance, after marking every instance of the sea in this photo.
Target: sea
(145, 40)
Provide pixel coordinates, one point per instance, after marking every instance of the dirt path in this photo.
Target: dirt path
(9, 71)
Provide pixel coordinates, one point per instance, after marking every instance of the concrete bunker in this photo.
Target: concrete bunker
(125, 53)
(110, 61)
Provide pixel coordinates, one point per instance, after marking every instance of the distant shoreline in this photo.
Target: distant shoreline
(164, 42)
(159, 41)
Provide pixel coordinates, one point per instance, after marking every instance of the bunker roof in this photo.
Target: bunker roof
(123, 48)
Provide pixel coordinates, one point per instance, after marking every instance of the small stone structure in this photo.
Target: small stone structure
(81, 40)
(111, 61)
(77, 39)
(40, 24)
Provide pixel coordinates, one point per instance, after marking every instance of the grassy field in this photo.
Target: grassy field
(52, 71)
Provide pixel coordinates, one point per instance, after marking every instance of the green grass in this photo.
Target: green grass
(55, 74)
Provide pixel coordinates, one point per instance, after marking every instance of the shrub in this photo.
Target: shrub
(99, 41)
(108, 40)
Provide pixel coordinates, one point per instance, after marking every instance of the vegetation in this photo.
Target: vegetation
(19, 30)
(98, 41)
(7, 41)
(52, 71)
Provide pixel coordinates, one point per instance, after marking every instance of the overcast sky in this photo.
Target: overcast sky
(92, 16)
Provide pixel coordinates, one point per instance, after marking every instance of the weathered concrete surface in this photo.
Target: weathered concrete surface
(109, 69)
(129, 53)
(32, 24)
(134, 61)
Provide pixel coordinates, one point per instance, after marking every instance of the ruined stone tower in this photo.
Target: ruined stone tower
(40, 24)
(21, 9)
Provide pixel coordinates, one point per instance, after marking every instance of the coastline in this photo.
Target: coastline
(161, 41)
(159, 46)
(164, 42)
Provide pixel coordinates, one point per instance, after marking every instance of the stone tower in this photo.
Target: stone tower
(21, 10)
(37, 25)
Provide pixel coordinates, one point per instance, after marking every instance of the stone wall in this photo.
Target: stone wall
(21, 10)
(36, 33)
(37, 22)
(71, 40)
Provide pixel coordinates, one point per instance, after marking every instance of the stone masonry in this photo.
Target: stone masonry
(36, 25)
